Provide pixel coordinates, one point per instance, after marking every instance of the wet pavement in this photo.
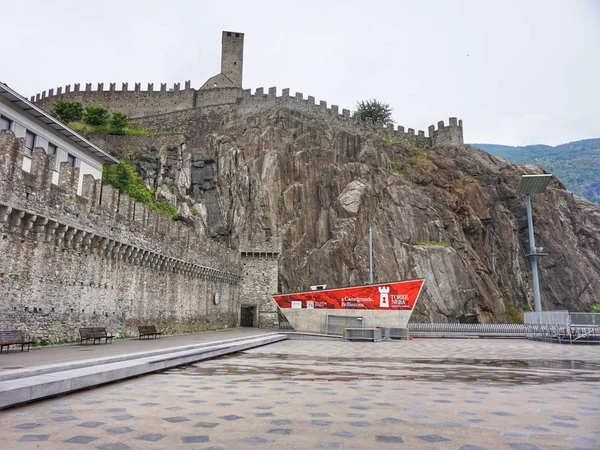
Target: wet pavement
(431, 394)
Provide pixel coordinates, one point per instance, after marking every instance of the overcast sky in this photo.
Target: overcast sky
(516, 72)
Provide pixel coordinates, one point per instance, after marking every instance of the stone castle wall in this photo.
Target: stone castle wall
(134, 103)
(260, 272)
(138, 103)
(101, 258)
(210, 118)
(163, 104)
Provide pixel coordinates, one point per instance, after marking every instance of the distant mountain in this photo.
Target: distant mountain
(577, 164)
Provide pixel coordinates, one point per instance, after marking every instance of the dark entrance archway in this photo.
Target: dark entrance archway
(247, 316)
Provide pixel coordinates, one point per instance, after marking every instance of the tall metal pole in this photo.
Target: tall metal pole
(370, 254)
(533, 256)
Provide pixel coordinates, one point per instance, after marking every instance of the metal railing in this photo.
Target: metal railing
(563, 326)
(469, 328)
(284, 325)
(362, 334)
(582, 319)
(546, 318)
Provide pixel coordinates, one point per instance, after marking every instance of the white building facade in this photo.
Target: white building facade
(40, 129)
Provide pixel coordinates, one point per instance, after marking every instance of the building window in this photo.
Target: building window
(71, 159)
(29, 142)
(5, 123)
(52, 149)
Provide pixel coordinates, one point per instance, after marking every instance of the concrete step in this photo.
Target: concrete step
(59, 367)
(36, 387)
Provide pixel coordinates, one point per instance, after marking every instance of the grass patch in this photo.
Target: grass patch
(129, 130)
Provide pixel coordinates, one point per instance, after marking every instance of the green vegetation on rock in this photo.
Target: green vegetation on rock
(97, 116)
(576, 164)
(129, 130)
(118, 123)
(123, 177)
(97, 120)
(67, 111)
(374, 111)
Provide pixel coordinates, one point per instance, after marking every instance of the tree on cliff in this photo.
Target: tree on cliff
(374, 111)
(117, 123)
(67, 111)
(96, 116)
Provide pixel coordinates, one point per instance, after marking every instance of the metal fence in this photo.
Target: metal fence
(579, 319)
(546, 318)
(334, 324)
(284, 325)
(563, 327)
(469, 328)
(362, 334)
(399, 333)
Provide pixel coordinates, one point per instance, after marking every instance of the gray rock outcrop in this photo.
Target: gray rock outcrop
(447, 214)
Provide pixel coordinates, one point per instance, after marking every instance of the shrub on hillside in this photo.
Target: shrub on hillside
(123, 177)
(117, 123)
(67, 111)
(374, 111)
(96, 116)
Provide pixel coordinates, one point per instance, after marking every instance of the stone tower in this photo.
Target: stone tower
(232, 56)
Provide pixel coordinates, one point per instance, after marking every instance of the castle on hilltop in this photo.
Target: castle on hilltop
(222, 89)
(76, 253)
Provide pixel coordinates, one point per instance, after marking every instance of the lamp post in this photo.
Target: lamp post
(370, 254)
(533, 184)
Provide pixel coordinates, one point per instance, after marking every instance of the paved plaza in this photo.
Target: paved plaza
(304, 394)
(39, 356)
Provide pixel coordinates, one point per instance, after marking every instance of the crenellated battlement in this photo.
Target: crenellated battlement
(133, 99)
(110, 87)
(101, 220)
(450, 135)
(447, 135)
(334, 111)
(138, 103)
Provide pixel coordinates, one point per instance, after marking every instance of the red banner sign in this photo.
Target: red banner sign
(401, 295)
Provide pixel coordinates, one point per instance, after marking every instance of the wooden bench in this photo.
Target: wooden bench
(13, 337)
(94, 334)
(149, 330)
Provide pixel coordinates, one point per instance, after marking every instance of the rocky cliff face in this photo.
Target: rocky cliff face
(448, 214)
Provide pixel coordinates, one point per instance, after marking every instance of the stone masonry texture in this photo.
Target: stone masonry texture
(68, 261)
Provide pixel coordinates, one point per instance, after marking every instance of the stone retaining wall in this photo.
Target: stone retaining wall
(101, 258)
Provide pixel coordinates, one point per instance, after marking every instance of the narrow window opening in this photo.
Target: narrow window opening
(5, 123)
(29, 142)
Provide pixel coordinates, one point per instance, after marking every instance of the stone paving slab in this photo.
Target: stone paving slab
(31, 388)
(334, 395)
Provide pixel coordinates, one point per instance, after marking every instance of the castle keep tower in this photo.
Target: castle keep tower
(232, 56)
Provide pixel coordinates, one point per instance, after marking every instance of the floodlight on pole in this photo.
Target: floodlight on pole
(533, 184)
